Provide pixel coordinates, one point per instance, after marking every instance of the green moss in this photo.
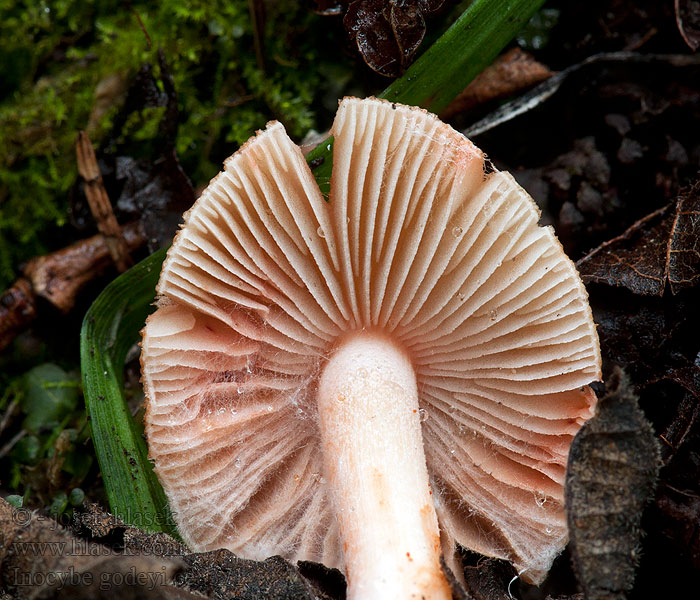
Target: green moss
(54, 54)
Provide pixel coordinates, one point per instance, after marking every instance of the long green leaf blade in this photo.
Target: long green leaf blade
(109, 329)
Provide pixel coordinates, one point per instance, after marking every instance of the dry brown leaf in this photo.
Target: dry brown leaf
(662, 247)
(688, 20)
(511, 72)
(388, 34)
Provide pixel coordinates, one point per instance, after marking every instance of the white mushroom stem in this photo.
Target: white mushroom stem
(376, 469)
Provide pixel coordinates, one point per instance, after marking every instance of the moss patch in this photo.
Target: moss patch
(64, 66)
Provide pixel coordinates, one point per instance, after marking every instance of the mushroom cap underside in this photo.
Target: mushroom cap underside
(416, 241)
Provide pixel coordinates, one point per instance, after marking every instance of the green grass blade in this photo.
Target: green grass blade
(109, 329)
(113, 322)
(461, 53)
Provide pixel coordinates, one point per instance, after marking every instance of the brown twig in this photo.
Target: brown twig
(100, 205)
(141, 25)
(58, 277)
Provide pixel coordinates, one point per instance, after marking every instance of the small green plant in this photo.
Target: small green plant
(45, 457)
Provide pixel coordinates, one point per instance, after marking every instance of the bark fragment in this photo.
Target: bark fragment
(57, 277)
(611, 474)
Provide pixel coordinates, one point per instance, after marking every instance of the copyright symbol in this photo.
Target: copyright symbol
(21, 516)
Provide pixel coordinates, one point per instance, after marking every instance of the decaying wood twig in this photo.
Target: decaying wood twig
(100, 206)
(58, 277)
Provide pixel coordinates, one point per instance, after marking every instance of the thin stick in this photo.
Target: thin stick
(100, 206)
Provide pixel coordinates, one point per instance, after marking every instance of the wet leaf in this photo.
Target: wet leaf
(388, 34)
(635, 260)
(662, 247)
(370, 29)
(508, 74)
(683, 261)
(611, 474)
(688, 20)
(156, 192)
(408, 25)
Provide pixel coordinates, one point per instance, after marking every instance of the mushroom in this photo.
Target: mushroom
(367, 380)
